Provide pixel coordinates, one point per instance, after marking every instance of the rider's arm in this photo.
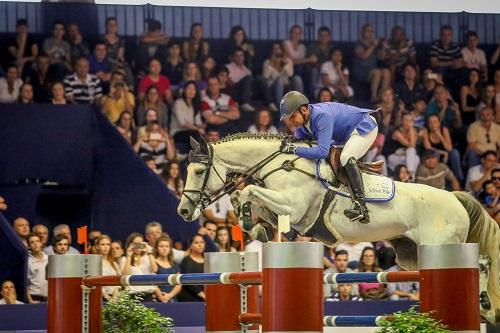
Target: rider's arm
(325, 124)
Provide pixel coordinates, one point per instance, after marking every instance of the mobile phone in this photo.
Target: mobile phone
(432, 76)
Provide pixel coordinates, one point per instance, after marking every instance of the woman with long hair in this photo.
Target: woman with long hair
(208, 67)
(238, 39)
(401, 174)
(223, 239)
(26, 94)
(125, 125)
(193, 263)
(196, 47)
(118, 254)
(192, 73)
(488, 99)
(368, 263)
(173, 179)
(470, 97)
(152, 100)
(263, 123)
(109, 265)
(58, 96)
(390, 111)
(165, 262)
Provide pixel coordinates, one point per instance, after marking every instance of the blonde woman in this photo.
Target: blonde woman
(109, 265)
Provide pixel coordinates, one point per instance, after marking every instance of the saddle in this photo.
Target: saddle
(374, 168)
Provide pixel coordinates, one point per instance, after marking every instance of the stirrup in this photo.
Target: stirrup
(356, 213)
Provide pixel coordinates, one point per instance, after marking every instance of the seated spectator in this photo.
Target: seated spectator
(159, 145)
(365, 67)
(154, 78)
(117, 253)
(409, 90)
(368, 263)
(42, 232)
(344, 293)
(173, 68)
(37, 268)
(495, 178)
(212, 134)
(296, 51)
(10, 85)
(58, 50)
(151, 124)
(419, 114)
(223, 239)
(92, 241)
(8, 293)
(401, 174)
(193, 263)
(397, 52)
(119, 98)
(225, 87)
(41, 77)
(335, 76)
(196, 47)
(221, 212)
(82, 87)
(241, 78)
(125, 125)
(478, 174)
(491, 199)
(400, 146)
(22, 229)
(61, 229)
(488, 100)
(279, 77)
(375, 152)
(438, 137)
(26, 94)
(208, 67)
(186, 120)
(99, 64)
(164, 255)
(152, 101)
(22, 49)
(153, 232)
(470, 97)
(482, 135)
(320, 49)
(341, 261)
(210, 228)
(219, 109)
(263, 123)
(238, 40)
(152, 45)
(109, 266)
(434, 173)
(140, 261)
(78, 48)
(192, 73)
(354, 250)
(325, 95)
(446, 108)
(60, 244)
(173, 179)
(446, 59)
(402, 290)
(115, 48)
(474, 57)
(430, 81)
(58, 95)
(390, 112)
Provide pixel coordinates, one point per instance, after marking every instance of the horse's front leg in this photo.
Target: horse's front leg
(274, 201)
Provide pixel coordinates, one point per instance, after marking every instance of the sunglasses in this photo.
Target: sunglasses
(488, 139)
(495, 178)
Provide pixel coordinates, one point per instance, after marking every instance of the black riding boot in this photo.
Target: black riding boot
(358, 210)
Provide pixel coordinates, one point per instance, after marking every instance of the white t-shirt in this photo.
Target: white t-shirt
(253, 129)
(353, 249)
(7, 96)
(474, 60)
(474, 174)
(2, 302)
(221, 207)
(37, 278)
(144, 268)
(329, 68)
(295, 54)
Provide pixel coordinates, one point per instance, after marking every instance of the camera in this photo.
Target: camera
(138, 246)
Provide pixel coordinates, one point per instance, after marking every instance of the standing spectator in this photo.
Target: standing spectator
(409, 89)
(42, 232)
(58, 50)
(58, 96)
(173, 179)
(154, 78)
(125, 125)
(82, 87)
(192, 73)
(398, 51)
(60, 244)
(434, 173)
(196, 47)
(223, 239)
(263, 123)
(335, 75)
(164, 254)
(368, 263)
(37, 268)
(321, 49)
(61, 229)
(193, 263)
(41, 77)
(474, 57)
(219, 109)
(296, 50)
(10, 85)
(99, 64)
(279, 76)
(109, 266)
(438, 137)
(400, 148)
(482, 135)
(22, 48)
(365, 67)
(446, 108)
(8, 293)
(22, 229)
(470, 96)
(152, 45)
(26, 94)
(173, 68)
(241, 78)
(446, 59)
(119, 99)
(78, 48)
(152, 101)
(479, 174)
(238, 40)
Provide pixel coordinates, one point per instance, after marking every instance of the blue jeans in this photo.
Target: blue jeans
(455, 164)
(471, 159)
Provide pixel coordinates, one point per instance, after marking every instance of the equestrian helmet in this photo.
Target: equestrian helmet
(290, 102)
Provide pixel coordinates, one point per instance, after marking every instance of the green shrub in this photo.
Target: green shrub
(411, 321)
(126, 314)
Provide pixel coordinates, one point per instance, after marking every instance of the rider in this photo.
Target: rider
(333, 124)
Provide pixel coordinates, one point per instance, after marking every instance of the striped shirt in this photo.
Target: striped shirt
(449, 54)
(82, 92)
(159, 153)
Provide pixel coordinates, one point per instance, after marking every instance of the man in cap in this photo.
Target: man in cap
(333, 124)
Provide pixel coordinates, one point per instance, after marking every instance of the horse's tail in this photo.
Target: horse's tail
(484, 231)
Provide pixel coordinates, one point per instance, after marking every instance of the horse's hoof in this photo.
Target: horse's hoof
(263, 232)
(485, 300)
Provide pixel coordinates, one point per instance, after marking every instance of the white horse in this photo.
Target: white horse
(418, 214)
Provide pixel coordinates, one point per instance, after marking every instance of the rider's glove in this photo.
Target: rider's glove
(287, 148)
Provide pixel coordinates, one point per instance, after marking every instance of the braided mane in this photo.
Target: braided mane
(253, 136)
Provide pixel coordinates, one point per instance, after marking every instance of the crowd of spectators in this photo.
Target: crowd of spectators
(438, 125)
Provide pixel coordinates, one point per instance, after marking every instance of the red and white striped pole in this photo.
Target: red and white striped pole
(225, 303)
(292, 296)
(72, 308)
(449, 285)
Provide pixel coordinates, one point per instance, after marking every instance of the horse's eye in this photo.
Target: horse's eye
(199, 172)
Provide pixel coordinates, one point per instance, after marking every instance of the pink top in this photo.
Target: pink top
(163, 84)
(236, 73)
(367, 286)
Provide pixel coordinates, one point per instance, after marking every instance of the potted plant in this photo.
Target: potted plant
(411, 321)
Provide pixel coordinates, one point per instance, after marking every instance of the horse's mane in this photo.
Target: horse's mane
(253, 136)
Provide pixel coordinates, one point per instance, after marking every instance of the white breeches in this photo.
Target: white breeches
(357, 145)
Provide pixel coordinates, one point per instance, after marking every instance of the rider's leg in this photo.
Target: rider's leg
(354, 149)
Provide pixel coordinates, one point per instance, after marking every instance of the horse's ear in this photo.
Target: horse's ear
(194, 144)
(204, 146)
